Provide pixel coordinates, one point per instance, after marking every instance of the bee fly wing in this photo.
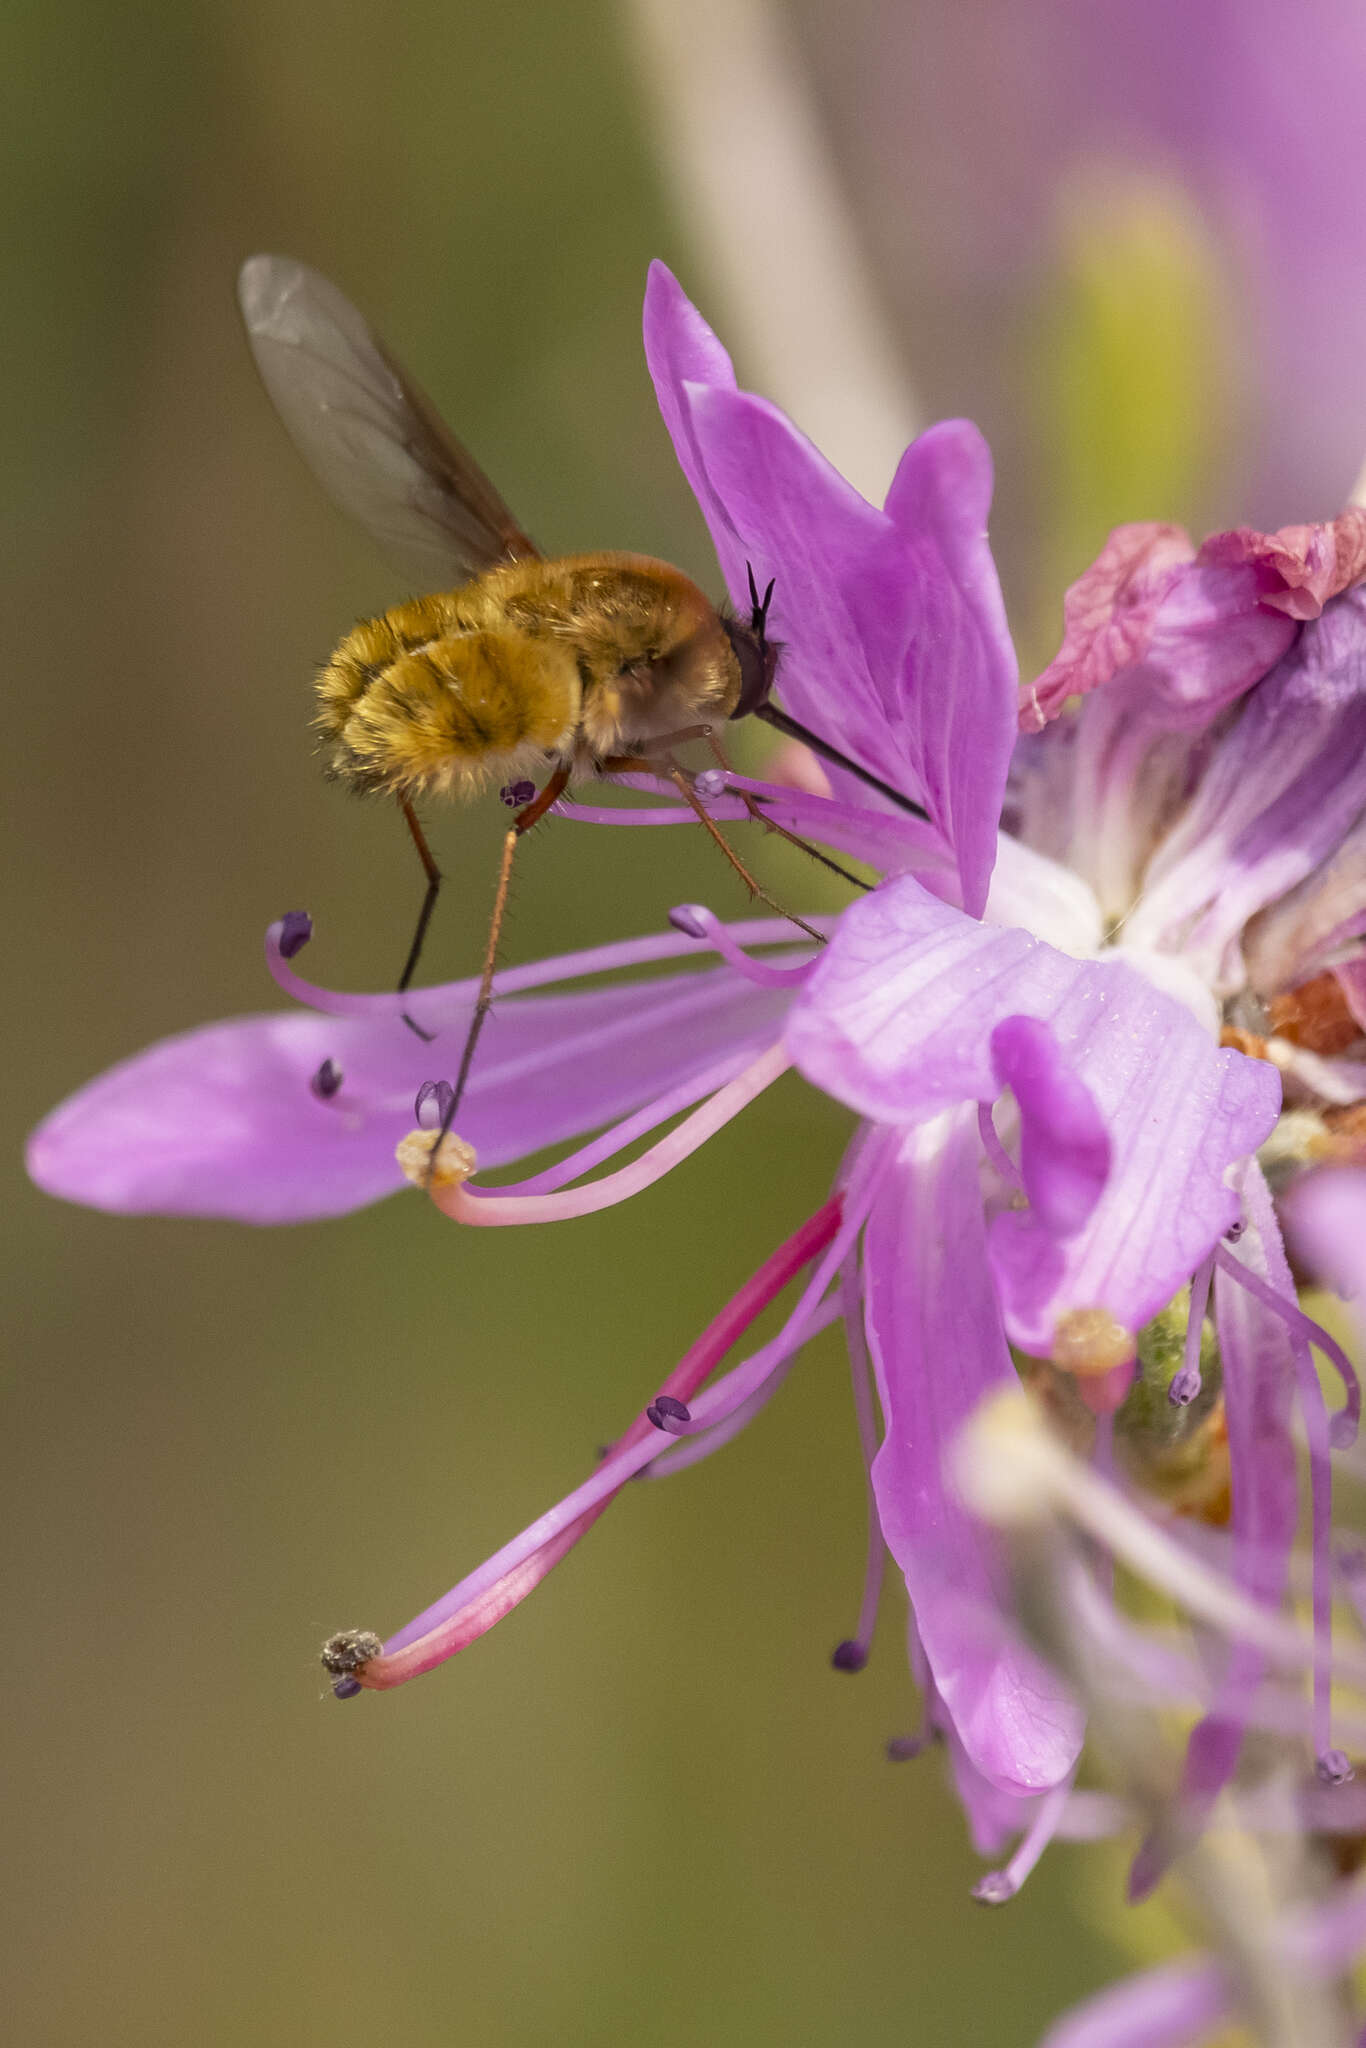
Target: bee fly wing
(375, 442)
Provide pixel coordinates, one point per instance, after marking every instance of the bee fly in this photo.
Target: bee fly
(583, 665)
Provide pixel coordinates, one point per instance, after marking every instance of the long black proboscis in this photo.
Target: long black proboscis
(782, 722)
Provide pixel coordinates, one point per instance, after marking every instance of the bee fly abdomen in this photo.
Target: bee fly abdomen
(428, 700)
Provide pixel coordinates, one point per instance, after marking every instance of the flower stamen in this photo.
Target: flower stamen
(697, 922)
(471, 1608)
(496, 1206)
(999, 1885)
(1185, 1384)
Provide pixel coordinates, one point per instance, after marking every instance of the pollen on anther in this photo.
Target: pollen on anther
(453, 1163)
(710, 784)
(345, 1653)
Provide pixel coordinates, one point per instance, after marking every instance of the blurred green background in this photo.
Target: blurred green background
(645, 1810)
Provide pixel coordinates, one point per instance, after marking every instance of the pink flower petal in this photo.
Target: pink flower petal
(1198, 632)
(1107, 616)
(1064, 1145)
(222, 1121)
(1167, 2007)
(1304, 565)
(1328, 1222)
(1211, 640)
(897, 1020)
(681, 349)
(1284, 786)
(960, 685)
(934, 1331)
(894, 638)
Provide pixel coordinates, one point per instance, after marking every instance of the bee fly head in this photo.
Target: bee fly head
(755, 652)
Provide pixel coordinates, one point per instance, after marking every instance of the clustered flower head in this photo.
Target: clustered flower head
(1100, 1017)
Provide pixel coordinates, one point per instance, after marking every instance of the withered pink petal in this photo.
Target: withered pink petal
(1305, 565)
(1107, 616)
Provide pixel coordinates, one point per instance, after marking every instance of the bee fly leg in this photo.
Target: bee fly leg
(483, 1002)
(669, 771)
(755, 808)
(424, 916)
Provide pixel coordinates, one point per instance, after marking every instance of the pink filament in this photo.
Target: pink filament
(1000, 1885)
(692, 1449)
(860, 1376)
(493, 1206)
(1195, 1319)
(458, 995)
(1319, 1436)
(471, 1608)
(760, 972)
(672, 1103)
(1343, 1428)
(749, 1379)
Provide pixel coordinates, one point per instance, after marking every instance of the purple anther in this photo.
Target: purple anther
(995, 1888)
(901, 1748)
(668, 1413)
(710, 784)
(515, 794)
(1185, 1385)
(850, 1655)
(1234, 1231)
(432, 1104)
(1334, 1768)
(688, 919)
(296, 929)
(346, 1688)
(327, 1080)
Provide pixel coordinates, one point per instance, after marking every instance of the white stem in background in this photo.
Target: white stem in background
(758, 191)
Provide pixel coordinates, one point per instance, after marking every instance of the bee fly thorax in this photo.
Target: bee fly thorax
(659, 660)
(424, 702)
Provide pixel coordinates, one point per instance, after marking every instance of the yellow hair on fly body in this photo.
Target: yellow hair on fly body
(416, 703)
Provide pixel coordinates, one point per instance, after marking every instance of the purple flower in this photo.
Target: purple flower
(1058, 1154)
